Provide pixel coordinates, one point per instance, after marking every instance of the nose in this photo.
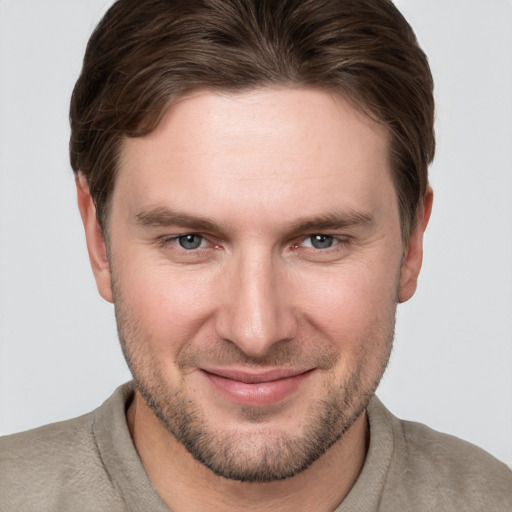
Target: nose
(255, 312)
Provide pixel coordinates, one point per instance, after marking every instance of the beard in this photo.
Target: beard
(266, 453)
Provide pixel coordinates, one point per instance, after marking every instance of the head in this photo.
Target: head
(252, 177)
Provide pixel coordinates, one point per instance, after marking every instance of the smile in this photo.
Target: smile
(256, 388)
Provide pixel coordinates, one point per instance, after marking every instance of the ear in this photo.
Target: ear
(413, 254)
(95, 239)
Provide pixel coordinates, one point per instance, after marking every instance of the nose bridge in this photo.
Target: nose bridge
(256, 313)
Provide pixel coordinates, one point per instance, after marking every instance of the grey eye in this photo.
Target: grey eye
(321, 241)
(190, 242)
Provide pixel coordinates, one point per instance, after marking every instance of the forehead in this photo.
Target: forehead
(267, 149)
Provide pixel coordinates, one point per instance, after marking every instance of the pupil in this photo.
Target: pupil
(321, 241)
(190, 241)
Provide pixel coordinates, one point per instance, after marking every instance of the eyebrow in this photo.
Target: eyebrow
(165, 217)
(162, 216)
(334, 220)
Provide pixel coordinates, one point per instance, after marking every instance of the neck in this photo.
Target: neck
(184, 484)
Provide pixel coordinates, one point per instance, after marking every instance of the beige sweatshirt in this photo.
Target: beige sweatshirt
(90, 464)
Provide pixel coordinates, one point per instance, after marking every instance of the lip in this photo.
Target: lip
(258, 388)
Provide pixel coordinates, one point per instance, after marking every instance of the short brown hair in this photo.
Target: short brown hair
(146, 53)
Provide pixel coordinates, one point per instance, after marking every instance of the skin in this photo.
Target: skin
(268, 340)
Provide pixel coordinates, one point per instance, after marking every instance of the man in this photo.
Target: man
(252, 178)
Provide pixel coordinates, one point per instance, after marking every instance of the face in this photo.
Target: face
(256, 259)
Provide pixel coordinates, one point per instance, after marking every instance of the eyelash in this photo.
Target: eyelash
(166, 241)
(339, 243)
(335, 241)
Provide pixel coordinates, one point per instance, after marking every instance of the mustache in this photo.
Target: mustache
(285, 354)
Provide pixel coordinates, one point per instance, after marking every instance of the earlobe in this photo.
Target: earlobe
(413, 254)
(95, 239)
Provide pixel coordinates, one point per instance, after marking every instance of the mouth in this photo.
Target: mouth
(256, 388)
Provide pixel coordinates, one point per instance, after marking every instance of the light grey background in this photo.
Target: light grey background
(452, 363)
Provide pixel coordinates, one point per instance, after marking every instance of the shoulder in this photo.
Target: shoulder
(36, 463)
(55, 467)
(436, 471)
(451, 456)
(41, 447)
(47, 442)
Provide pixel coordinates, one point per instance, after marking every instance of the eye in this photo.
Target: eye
(319, 241)
(190, 242)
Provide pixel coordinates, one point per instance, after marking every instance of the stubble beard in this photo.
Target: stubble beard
(239, 454)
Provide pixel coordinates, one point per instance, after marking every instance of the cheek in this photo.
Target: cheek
(168, 307)
(353, 306)
(355, 314)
